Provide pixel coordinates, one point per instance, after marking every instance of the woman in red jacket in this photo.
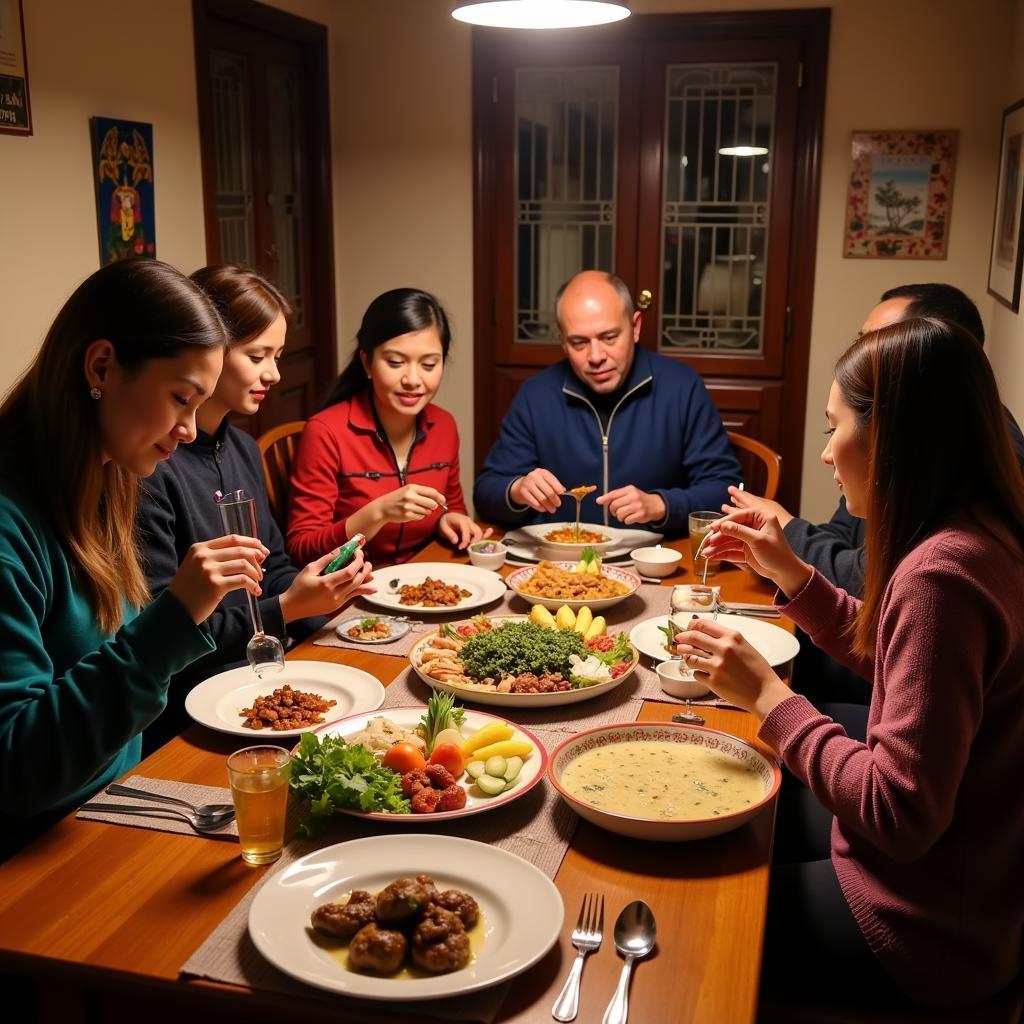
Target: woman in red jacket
(902, 856)
(380, 459)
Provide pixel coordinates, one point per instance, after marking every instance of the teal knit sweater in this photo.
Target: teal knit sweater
(73, 700)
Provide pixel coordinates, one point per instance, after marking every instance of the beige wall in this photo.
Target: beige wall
(400, 76)
(1005, 328)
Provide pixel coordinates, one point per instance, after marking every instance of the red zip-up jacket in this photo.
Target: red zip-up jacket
(345, 460)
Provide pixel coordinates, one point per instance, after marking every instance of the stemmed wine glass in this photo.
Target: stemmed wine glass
(265, 652)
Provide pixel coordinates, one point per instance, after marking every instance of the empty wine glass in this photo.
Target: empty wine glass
(265, 652)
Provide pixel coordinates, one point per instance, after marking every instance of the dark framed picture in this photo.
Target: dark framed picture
(15, 110)
(1004, 268)
(900, 194)
(122, 160)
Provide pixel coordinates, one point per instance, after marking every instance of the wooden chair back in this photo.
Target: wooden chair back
(762, 467)
(277, 448)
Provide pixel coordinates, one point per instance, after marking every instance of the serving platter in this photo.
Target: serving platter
(522, 911)
(217, 701)
(523, 545)
(408, 718)
(775, 644)
(483, 585)
(492, 698)
(515, 581)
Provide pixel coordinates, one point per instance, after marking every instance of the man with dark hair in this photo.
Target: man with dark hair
(836, 548)
(639, 425)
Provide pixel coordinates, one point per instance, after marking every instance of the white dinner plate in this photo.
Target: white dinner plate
(522, 911)
(775, 644)
(524, 546)
(492, 698)
(627, 577)
(217, 701)
(483, 585)
(397, 630)
(408, 718)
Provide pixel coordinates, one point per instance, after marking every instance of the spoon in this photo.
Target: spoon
(635, 934)
(200, 811)
(264, 652)
(210, 824)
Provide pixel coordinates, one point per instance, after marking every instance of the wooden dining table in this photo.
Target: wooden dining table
(97, 919)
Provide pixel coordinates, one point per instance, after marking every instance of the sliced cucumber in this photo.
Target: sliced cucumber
(513, 767)
(490, 786)
(495, 766)
(475, 769)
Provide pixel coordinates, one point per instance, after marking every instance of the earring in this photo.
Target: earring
(95, 394)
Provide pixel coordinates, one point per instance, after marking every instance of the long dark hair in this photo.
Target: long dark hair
(399, 311)
(49, 424)
(247, 302)
(924, 396)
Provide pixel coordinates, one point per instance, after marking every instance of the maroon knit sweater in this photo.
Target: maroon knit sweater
(928, 836)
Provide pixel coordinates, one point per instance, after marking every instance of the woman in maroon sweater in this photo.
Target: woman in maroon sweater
(919, 888)
(380, 459)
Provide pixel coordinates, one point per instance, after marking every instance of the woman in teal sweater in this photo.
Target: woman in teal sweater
(112, 393)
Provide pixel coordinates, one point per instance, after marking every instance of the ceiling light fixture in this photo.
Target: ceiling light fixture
(540, 13)
(743, 151)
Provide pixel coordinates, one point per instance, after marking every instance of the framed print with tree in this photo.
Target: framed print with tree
(900, 194)
(1007, 256)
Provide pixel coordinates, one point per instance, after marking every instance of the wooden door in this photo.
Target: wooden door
(721, 242)
(263, 108)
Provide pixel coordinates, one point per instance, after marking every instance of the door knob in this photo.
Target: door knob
(644, 298)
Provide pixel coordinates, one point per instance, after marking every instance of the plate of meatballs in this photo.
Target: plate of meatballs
(406, 917)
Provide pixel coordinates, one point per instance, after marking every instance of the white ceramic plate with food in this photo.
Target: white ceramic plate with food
(217, 702)
(483, 586)
(775, 644)
(364, 632)
(491, 697)
(629, 579)
(408, 718)
(522, 911)
(523, 545)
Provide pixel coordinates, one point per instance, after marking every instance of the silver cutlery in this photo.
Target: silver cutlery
(635, 935)
(201, 811)
(586, 937)
(210, 824)
(764, 611)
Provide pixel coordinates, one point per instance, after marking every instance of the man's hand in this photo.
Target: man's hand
(767, 507)
(540, 489)
(631, 505)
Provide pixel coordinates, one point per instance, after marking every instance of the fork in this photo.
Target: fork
(586, 937)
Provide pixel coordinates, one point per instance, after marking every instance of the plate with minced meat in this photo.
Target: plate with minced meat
(306, 695)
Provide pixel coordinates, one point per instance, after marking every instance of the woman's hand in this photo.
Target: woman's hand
(408, 503)
(752, 536)
(731, 667)
(214, 568)
(460, 530)
(744, 499)
(313, 594)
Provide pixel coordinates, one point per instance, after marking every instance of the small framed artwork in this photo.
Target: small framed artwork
(900, 195)
(15, 111)
(122, 160)
(1004, 268)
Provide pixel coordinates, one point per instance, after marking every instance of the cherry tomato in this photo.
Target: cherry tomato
(404, 757)
(449, 756)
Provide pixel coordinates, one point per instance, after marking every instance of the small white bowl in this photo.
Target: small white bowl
(677, 680)
(488, 559)
(657, 561)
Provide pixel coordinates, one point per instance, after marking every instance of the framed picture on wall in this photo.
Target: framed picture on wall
(122, 160)
(900, 194)
(15, 111)
(1004, 266)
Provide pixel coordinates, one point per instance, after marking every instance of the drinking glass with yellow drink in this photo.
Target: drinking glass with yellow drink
(259, 788)
(699, 524)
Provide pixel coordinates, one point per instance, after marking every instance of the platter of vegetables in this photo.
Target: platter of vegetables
(414, 763)
(538, 661)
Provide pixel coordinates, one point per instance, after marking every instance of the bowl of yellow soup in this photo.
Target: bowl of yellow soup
(662, 780)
